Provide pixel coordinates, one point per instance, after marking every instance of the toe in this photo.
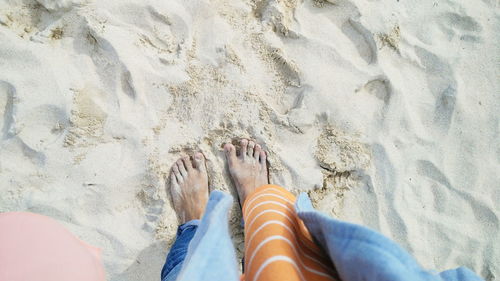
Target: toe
(173, 179)
(251, 146)
(177, 177)
(256, 151)
(187, 163)
(182, 169)
(263, 157)
(230, 152)
(199, 161)
(244, 145)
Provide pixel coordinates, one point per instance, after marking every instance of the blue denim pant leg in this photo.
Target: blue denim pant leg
(178, 251)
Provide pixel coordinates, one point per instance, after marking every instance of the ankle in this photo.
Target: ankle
(246, 192)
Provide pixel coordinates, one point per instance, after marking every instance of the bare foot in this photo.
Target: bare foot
(248, 168)
(189, 187)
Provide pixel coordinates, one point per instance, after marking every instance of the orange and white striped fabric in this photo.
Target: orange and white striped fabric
(278, 246)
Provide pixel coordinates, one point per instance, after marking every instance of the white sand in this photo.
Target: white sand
(387, 112)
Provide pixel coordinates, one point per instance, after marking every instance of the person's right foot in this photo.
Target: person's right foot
(248, 167)
(189, 187)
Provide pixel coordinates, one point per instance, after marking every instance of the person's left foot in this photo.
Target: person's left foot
(189, 187)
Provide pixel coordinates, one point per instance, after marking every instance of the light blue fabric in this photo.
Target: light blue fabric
(211, 254)
(357, 252)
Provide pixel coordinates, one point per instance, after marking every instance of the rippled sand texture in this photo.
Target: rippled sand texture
(385, 112)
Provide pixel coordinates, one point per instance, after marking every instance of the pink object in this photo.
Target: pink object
(36, 247)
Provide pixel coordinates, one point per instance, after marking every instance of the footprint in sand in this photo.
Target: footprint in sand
(362, 39)
(379, 87)
(36, 127)
(41, 126)
(24, 19)
(86, 126)
(449, 28)
(7, 93)
(286, 67)
(36, 19)
(463, 27)
(278, 14)
(442, 83)
(19, 143)
(479, 208)
(115, 74)
(340, 153)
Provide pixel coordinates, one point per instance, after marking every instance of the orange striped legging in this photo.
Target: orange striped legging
(278, 246)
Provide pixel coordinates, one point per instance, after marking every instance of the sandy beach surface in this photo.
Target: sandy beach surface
(387, 112)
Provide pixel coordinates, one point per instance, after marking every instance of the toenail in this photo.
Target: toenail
(198, 156)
